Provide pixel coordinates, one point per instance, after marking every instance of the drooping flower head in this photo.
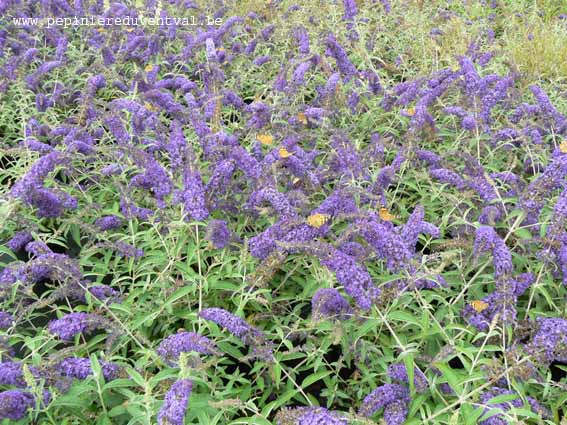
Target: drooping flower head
(80, 368)
(329, 303)
(183, 342)
(174, 406)
(549, 342)
(6, 320)
(310, 416)
(488, 240)
(234, 324)
(384, 396)
(105, 293)
(12, 373)
(75, 323)
(19, 240)
(337, 52)
(15, 403)
(108, 222)
(398, 372)
(504, 406)
(218, 233)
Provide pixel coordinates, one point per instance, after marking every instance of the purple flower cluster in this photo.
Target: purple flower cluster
(30, 188)
(234, 324)
(19, 240)
(108, 222)
(179, 123)
(14, 404)
(393, 398)
(549, 342)
(11, 373)
(6, 320)
(501, 302)
(75, 323)
(320, 415)
(488, 240)
(310, 416)
(218, 233)
(105, 293)
(499, 419)
(329, 303)
(183, 342)
(398, 372)
(80, 368)
(174, 406)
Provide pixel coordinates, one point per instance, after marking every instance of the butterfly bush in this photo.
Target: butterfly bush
(300, 150)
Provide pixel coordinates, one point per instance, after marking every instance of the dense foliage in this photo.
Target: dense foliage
(283, 212)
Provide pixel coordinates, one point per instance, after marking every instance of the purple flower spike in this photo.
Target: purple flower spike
(355, 278)
(218, 233)
(549, 343)
(320, 415)
(14, 404)
(80, 368)
(108, 222)
(328, 302)
(337, 52)
(396, 412)
(234, 324)
(19, 240)
(183, 342)
(488, 240)
(11, 373)
(175, 405)
(310, 416)
(193, 196)
(105, 293)
(399, 373)
(6, 320)
(75, 323)
(382, 397)
(498, 419)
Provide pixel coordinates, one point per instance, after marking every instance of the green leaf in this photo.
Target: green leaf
(404, 317)
(523, 233)
(178, 294)
(314, 378)
(451, 377)
(254, 420)
(75, 232)
(409, 364)
(470, 414)
(274, 405)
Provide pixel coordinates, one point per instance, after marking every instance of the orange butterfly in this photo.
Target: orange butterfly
(284, 153)
(150, 107)
(386, 215)
(302, 118)
(478, 305)
(563, 146)
(265, 139)
(317, 220)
